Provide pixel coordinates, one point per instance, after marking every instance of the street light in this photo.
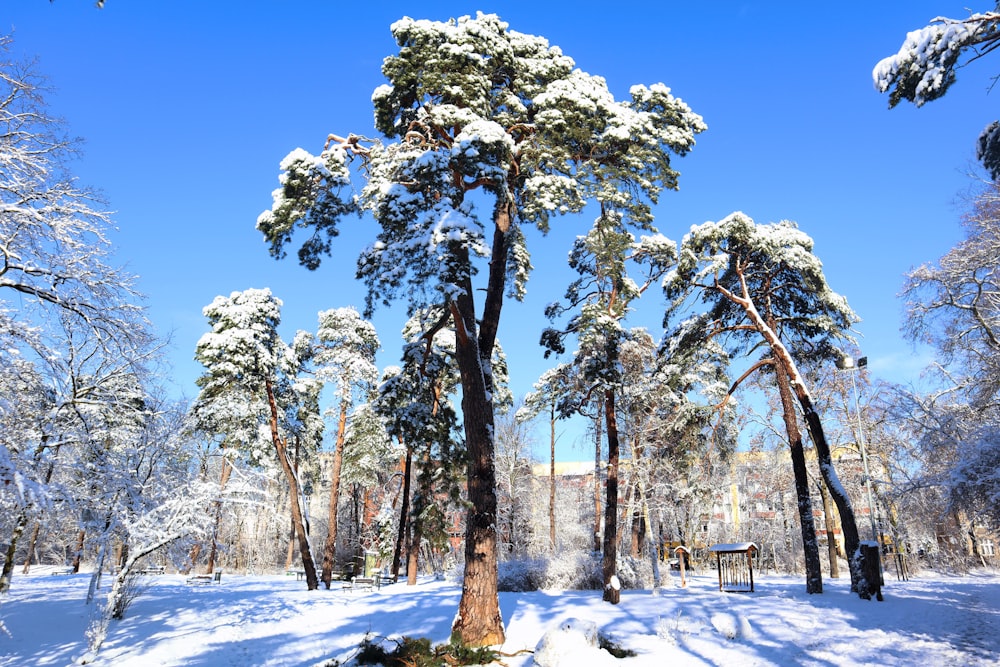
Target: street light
(846, 363)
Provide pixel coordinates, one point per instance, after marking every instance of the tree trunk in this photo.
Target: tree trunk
(8, 564)
(785, 366)
(810, 545)
(597, 477)
(330, 547)
(30, 551)
(404, 513)
(227, 470)
(609, 562)
(831, 536)
(280, 446)
(413, 552)
(78, 554)
(848, 524)
(478, 621)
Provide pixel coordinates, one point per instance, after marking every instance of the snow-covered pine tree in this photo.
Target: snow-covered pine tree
(343, 357)
(926, 65)
(471, 105)
(764, 288)
(251, 375)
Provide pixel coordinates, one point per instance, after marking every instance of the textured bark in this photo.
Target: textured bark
(298, 521)
(330, 547)
(810, 545)
(831, 527)
(852, 541)
(609, 561)
(597, 481)
(478, 621)
(404, 513)
(8, 564)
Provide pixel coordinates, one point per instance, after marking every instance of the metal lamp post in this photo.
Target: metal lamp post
(847, 363)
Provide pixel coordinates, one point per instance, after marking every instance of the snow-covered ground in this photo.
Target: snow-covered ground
(272, 620)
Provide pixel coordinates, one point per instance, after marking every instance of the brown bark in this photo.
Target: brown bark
(597, 478)
(609, 562)
(404, 512)
(478, 621)
(330, 547)
(281, 449)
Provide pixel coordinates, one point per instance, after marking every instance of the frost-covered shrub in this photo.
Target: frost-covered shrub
(518, 576)
(635, 573)
(567, 570)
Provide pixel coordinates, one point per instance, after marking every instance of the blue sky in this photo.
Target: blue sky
(187, 108)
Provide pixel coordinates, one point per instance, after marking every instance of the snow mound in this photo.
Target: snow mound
(572, 643)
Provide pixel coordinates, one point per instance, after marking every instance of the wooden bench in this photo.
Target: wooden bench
(153, 569)
(363, 583)
(63, 570)
(299, 574)
(204, 579)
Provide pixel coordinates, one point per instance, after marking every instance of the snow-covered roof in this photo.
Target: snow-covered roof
(734, 546)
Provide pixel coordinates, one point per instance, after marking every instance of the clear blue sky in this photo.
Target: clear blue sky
(187, 108)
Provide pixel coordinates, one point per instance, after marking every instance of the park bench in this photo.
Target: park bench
(68, 569)
(363, 583)
(299, 574)
(153, 569)
(204, 579)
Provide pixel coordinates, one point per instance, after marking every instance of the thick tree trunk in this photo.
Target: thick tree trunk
(330, 547)
(810, 545)
(404, 513)
(413, 552)
(609, 562)
(308, 564)
(478, 621)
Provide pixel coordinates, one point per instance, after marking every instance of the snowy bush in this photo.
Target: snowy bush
(567, 570)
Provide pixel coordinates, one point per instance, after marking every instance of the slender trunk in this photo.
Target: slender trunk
(598, 422)
(785, 366)
(609, 562)
(32, 541)
(227, 470)
(478, 621)
(8, 564)
(831, 535)
(552, 480)
(404, 512)
(330, 548)
(848, 524)
(280, 446)
(810, 545)
(78, 554)
(651, 542)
